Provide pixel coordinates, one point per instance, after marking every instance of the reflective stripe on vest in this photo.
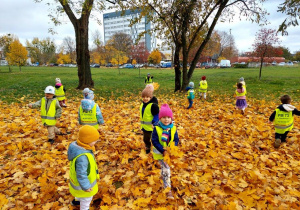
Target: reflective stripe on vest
(156, 154)
(93, 175)
(203, 86)
(60, 93)
(146, 118)
(240, 94)
(149, 81)
(284, 121)
(89, 118)
(48, 117)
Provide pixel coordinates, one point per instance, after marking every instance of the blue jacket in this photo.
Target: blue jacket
(88, 105)
(155, 140)
(82, 164)
(191, 94)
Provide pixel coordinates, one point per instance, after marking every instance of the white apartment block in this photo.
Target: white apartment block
(117, 22)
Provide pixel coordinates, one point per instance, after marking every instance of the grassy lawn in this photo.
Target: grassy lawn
(31, 82)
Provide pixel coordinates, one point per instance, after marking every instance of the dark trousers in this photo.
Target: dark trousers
(147, 139)
(190, 103)
(282, 137)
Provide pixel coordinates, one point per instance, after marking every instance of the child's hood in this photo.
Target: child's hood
(75, 150)
(286, 107)
(87, 104)
(240, 90)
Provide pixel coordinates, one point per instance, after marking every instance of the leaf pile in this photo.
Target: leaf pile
(224, 161)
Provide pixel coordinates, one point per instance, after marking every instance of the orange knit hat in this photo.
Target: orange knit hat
(88, 134)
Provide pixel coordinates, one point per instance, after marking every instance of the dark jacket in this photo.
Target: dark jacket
(280, 107)
(154, 109)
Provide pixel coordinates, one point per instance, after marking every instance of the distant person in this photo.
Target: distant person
(149, 111)
(148, 79)
(283, 119)
(50, 112)
(191, 94)
(241, 102)
(60, 91)
(203, 87)
(164, 134)
(83, 167)
(89, 112)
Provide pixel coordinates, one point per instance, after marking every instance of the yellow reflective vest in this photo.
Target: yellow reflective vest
(60, 93)
(240, 94)
(48, 117)
(284, 121)
(156, 154)
(203, 86)
(149, 81)
(89, 118)
(93, 175)
(146, 118)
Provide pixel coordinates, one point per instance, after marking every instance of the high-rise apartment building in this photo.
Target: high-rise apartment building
(115, 22)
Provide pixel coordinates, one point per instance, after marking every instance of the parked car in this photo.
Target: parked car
(290, 63)
(95, 65)
(274, 63)
(72, 65)
(166, 65)
(225, 64)
(139, 65)
(109, 65)
(281, 64)
(127, 66)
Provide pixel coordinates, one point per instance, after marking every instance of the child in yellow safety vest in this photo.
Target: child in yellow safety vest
(60, 92)
(89, 112)
(203, 87)
(50, 112)
(283, 119)
(83, 167)
(241, 102)
(148, 115)
(190, 94)
(164, 134)
(242, 80)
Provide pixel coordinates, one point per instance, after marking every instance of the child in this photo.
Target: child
(148, 115)
(284, 120)
(241, 102)
(60, 93)
(148, 79)
(203, 87)
(191, 94)
(83, 167)
(50, 111)
(244, 84)
(163, 135)
(89, 112)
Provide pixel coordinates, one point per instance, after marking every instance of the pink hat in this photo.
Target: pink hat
(58, 84)
(165, 111)
(148, 91)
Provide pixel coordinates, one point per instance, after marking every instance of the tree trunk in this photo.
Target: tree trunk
(261, 64)
(177, 69)
(83, 54)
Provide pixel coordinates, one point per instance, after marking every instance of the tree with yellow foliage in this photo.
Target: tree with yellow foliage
(154, 57)
(17, 54)
(63, 58)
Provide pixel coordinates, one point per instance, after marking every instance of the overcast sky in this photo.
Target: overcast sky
(27, 20)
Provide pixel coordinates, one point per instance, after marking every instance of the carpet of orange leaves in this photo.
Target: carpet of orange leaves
(225, 160)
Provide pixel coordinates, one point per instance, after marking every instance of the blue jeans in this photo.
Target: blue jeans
(190, 103)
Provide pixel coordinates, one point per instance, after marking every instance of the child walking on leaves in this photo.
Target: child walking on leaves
(164, 134)
(241, 102)
(83, 167)
(203, 87)
(89, 112)
(60, 93)
(191, 94)
(50, 112)
(148, 115)
(283, 119)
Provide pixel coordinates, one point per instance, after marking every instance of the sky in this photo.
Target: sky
(27, 20)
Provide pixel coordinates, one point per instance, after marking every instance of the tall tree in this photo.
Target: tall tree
(122, 42)
(292, 9)
(140, 53)
(154, 57)
(184, 22)
(17, 54)
(5, 42)
(286, 53)
(264, 45)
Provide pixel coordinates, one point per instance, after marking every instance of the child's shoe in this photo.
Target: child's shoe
(51, 141)
(170, 195)
(62, 134)
(75, 203)
(64, 105)
(148, 151)
(277, 143)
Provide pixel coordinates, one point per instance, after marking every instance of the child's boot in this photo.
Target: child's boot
(75, 202)
(277, 143)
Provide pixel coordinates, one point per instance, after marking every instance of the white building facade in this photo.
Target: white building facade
(115, 22)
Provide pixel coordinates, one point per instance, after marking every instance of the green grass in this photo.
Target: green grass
(31, 82)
